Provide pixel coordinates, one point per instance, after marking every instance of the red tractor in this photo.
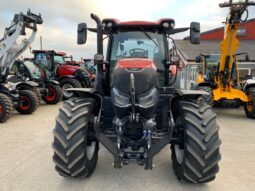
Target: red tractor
(133, 110)
(68, 76)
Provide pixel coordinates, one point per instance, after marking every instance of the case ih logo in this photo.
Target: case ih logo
(241, 32)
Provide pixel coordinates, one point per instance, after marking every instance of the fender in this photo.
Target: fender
(19, 85)
(189, 94)
(88, 93)
(195, 85)
(249, 86)
(4, 90)
(67, 76)
(52, 82)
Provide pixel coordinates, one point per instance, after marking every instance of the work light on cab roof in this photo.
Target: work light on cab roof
(165, 23)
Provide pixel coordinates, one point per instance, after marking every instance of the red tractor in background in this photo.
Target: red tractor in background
(69, 76)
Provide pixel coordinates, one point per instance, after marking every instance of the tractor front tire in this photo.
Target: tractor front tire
(75, 146)
(54, 94)
(28, 102)
(207, 98)
(33, 89)
(249, 108)
(67, 83)
(37, 93)
(195, 159)
(6, 108)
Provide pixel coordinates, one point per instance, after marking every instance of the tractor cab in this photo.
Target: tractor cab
(27, 69)
(211, 64)
(59, 58)
(209, 68)
(141, 47)
(136, 45)
(44, 60)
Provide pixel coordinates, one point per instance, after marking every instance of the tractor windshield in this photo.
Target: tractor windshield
(33, 70)
(59, 59)
(139, 44)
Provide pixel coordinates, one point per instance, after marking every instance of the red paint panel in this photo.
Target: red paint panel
(136, 63)
(250, 31)
(61, 53)
(64, 70)
(138, 23)
(218, 34)
(215, 35)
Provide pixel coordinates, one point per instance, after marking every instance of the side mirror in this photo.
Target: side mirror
(195, 33)
(198, 59)
(82, 33)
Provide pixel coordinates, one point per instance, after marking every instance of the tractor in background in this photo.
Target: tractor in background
(56, 68)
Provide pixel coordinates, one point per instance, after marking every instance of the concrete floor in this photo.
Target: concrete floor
(26, 159)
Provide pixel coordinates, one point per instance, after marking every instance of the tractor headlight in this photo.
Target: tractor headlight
(149, 99)
(119, 99)
(109, 25)
(166, 25)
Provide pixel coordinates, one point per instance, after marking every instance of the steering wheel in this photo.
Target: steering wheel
(137, 52)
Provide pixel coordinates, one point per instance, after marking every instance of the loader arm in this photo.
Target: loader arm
(230, 43)
(10, 48)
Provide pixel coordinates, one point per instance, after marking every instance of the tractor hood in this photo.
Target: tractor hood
(143, 70)
(136, 63)
(64, 70)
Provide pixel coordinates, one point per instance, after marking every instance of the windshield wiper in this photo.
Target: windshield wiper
(149, 37)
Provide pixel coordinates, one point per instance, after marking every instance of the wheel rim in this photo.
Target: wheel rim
(179, 153)
(91, 150)
(25, 103)
(64, 88)
(52, 94)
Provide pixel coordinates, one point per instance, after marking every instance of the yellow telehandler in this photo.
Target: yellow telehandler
(219, 74)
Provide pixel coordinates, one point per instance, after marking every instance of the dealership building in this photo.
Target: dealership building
(210, 44)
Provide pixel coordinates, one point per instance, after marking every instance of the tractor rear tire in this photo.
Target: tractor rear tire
(75, 146)
(6, 108)
(67, 83)
(28, 102)
(207, 98)
(196, 159)
(249, 108)
(55, 94)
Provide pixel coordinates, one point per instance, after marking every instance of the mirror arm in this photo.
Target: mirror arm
(178, 30)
